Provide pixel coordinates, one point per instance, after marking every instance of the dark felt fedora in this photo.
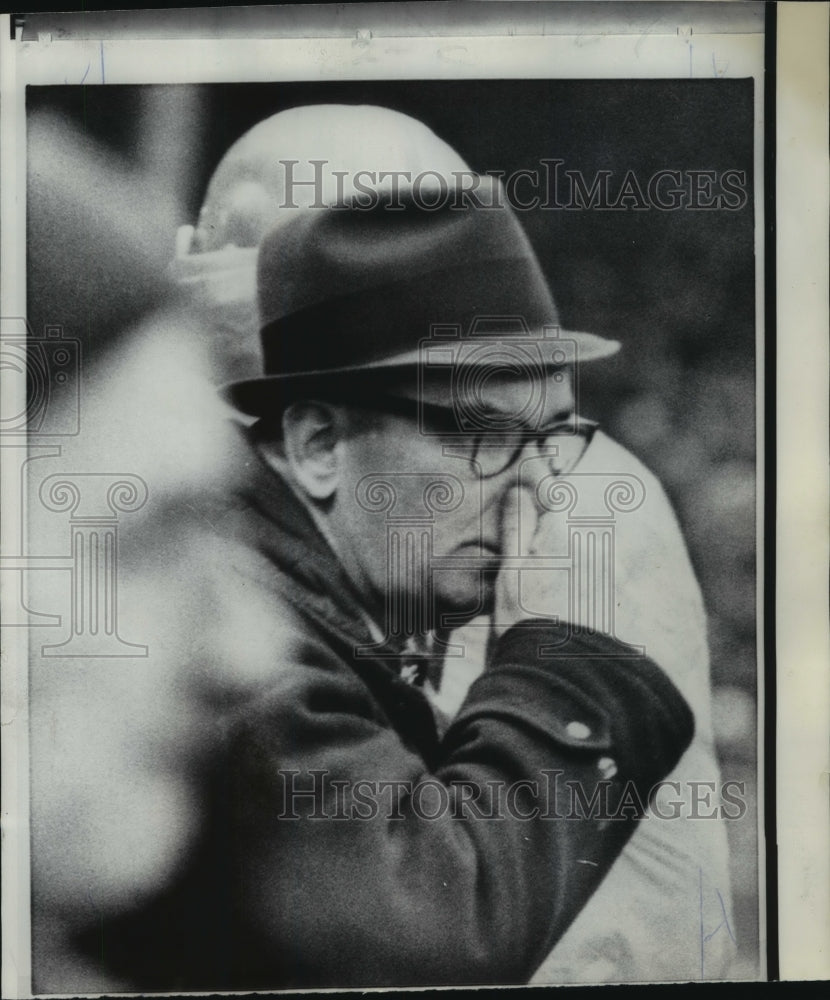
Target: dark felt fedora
(365, 289)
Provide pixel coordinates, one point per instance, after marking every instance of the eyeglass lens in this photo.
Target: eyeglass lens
(493, 453)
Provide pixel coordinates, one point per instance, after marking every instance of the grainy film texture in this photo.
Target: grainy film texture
(389, 554)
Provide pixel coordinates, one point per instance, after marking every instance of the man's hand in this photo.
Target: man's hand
(622, 568)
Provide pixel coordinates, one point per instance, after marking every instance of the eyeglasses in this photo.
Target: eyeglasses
(562, 444)
(490, 451)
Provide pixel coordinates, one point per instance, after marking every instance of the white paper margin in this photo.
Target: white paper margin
(803, 553)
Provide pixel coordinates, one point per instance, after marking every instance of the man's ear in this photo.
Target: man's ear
(310, 436)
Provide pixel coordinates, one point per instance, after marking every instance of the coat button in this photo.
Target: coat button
(607, 767)
(577, 730)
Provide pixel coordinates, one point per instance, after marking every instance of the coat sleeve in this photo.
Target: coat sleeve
(664, 913)
(352, 864)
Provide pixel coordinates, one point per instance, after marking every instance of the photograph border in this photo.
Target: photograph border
(46, 59)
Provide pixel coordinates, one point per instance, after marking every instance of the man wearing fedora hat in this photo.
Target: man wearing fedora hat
(394, 523)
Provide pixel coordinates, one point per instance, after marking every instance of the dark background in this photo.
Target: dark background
(113, 170)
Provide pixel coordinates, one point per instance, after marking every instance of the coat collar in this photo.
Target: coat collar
(268, 516)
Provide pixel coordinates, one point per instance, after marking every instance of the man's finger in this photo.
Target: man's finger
(510, 523)
(528, 521)
(518, 526)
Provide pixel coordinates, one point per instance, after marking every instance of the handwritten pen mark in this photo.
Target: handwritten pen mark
(101, 49)
(86, 73)
(718, 72)
(724, 923)
(706, 938)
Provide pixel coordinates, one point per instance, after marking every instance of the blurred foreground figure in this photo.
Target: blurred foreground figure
(402, 717)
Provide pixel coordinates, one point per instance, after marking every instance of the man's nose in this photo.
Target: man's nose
(517, 486)
(536, 461)
(529, 467)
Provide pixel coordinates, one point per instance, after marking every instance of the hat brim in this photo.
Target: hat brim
(257, 397)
